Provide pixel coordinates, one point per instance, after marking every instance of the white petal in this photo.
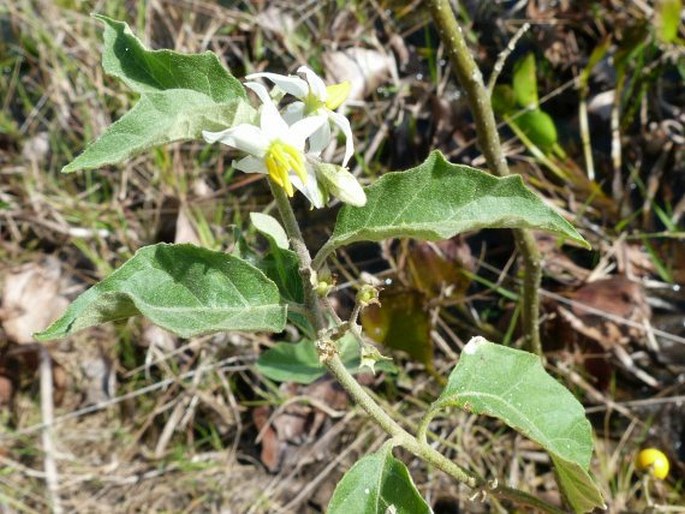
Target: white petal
(272, 123)
(288, 83)
(260, 90)
(301, 130)
(316, 85)
(250, 164)
(293, 112)
(245, 137)
(213, 137)
(344, 124)
(311, 189)
(320, 139)
(270, 120)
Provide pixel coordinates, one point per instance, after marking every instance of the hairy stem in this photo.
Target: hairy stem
(471, 80)
(331, 359)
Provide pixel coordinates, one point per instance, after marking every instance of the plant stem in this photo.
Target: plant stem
(331, 359)
(471, 80)
(292, 228)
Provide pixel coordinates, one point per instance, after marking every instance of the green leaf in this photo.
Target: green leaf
(183, 288)
(512, 385)
(181, 95)
(269, 226)
(145, 71)
(525, 82)
(377, 484)
(539, 127)
(668, 19)
(280, 264)
(437, 200)
(577, 485)
(160, 118)
(299, 362)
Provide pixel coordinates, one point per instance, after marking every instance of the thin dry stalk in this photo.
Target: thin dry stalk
(47, 413)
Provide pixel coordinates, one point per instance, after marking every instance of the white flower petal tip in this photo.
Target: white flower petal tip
(291, 84)
(343, 124)
(213, 137)
(317, 86)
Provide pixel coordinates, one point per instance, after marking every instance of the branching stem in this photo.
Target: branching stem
(331, 359)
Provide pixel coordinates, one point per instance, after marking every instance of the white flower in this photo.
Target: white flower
(315, 99)
(274, 147)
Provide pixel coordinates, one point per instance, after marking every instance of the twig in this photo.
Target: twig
(503, 55)
(471, 80)
(47, 414)
(616, 161)
(585, 133)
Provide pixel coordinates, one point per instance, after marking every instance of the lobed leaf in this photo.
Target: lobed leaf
(512, 385)
(183, 288)
(377, 484)
(437, 200)
(160, 118)
(150, 71)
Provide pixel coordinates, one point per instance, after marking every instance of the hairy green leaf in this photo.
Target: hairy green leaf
(299, 362)
(146, 71)
(269, 226)
(512, 385)
(181, 95)
(437, 200)
(377, 484)
(577, 485)
(183, 288)
(160, 118)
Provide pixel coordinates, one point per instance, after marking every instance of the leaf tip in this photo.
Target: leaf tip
(46, 335)
(474, 344)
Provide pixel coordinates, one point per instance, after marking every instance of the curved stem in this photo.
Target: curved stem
(322, 255)
(471, 80)
(422, 449)
(331, 359)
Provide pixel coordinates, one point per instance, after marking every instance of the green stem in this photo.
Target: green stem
(331, 359)
(471, 80)
(292, 228)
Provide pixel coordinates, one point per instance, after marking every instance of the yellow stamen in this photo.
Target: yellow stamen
(280, 158)
(336, 94)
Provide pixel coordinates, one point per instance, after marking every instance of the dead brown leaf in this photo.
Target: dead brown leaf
(364, 68)
(31, 299)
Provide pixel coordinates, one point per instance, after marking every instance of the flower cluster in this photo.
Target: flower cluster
(287, 144)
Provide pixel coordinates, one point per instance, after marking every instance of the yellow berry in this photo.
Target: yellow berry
(653, 461)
